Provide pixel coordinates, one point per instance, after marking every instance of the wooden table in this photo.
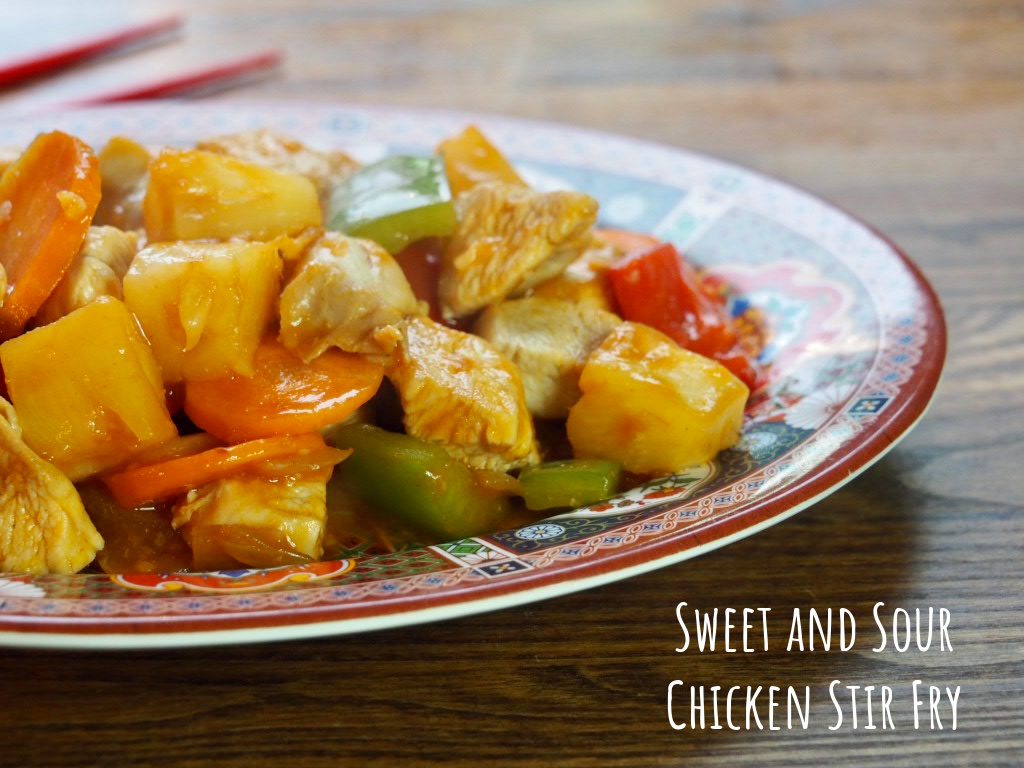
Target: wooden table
(909, 114)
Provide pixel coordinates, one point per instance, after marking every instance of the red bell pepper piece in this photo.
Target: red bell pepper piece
(658, 287)
(421, 263)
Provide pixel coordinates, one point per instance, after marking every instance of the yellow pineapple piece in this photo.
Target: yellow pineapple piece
(87, 389)
(194, 194)
(654, 406)
(585, 281)
(584, 290)
(325, 168)
(204, 306)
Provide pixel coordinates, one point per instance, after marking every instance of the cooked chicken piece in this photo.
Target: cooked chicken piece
(549, 341)
(43, 526)
(510, 238)
(98, 270)
(324, 169)
(348, 293)
(457, 390)
(254, 520)
(124, 169)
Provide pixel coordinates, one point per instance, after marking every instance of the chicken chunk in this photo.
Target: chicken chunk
(124, 170)
(508, 239)
(348, 293)
(457, 390)
(98, 270)
(263, 147)
(43, 526)
(249, 519)
(549, 341)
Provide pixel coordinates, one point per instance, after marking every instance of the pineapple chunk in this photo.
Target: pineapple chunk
(87, 389)
(194, 194)
(654, 406)
(204, 306)
(585, 281)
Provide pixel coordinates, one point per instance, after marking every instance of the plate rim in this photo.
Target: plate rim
(852, 459)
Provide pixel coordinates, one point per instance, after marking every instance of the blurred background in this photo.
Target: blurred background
(828, 93)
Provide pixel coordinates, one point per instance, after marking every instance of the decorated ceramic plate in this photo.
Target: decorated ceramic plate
(854, 341)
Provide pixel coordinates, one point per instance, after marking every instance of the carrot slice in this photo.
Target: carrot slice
(286, 454)
(183, 445)
(284, 395)
(48, 197)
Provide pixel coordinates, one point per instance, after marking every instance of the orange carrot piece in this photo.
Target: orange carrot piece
(176, 448)
(48, 197)
(286, 454)
(284, 395)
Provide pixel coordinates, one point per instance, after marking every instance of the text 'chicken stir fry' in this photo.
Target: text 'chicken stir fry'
(255, 353)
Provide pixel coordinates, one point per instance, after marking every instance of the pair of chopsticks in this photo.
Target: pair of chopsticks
(33, 66)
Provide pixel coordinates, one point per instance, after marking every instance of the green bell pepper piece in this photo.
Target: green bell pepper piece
(415, 485)
(395, 201)
(569, 483)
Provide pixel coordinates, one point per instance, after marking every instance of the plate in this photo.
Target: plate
(854, 343)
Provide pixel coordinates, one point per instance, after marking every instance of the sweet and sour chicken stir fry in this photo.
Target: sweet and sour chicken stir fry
(251, 352)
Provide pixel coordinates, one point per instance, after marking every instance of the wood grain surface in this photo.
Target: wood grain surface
(909, 114)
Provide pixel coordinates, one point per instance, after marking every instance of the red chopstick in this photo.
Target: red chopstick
(212, 77)
(43, 62)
